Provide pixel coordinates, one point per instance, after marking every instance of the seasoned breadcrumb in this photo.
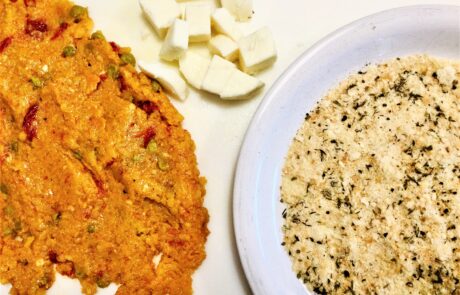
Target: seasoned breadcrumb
(371, 183)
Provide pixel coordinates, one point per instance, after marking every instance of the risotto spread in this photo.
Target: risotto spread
(98, 179)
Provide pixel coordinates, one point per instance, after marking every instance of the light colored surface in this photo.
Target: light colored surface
(433, 30)
(217, 126)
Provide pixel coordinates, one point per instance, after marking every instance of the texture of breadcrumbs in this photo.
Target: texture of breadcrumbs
(371, 183)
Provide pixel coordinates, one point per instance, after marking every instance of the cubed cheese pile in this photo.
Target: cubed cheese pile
(235, 56)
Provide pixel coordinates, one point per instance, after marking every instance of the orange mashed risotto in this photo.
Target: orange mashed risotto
(98, 180)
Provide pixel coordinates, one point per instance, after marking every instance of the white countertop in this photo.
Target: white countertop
(218, 127)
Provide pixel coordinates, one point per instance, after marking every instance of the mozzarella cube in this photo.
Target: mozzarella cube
(194, 67)
(241, 9)
(219, 71)
(176, 41)
(184, 3)
(224, 79)
(182, 7)
(224, 47)
(198, 18)
(160, 13)
(224, 23)
(257, 51)
(240, 86)
(168, 78)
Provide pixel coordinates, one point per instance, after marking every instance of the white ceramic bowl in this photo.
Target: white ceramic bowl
(433, 30)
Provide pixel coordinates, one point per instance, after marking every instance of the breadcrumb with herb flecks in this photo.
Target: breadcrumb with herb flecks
(371, 183)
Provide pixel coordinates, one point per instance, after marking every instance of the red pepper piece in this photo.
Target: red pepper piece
(176, 243)
(52, 256)
(87, 213)
(115, 47)
(103, 77)
(123, 84)
(110, 163)
(5, 43)
(34, 26)
(60, 30)
(29, 125)
(148, 134)
(97, 181)
(146, 105)
(30, 3)
(70, 271)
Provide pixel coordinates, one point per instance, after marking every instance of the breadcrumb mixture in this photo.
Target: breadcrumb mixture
(371, 183)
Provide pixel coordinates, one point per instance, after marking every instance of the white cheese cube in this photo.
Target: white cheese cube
(168, 78)
(176, 41)
(194, 67)
(240, 86)
(184, 3)
(257, 51)
(224, 47)
(241, 9)
(198, 17)
(219, 71)
(224, 79)
(160, 13)
(182, 7)
(224, 23)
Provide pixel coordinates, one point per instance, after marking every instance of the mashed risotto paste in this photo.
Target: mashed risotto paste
(371, 183)
(98, 180)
